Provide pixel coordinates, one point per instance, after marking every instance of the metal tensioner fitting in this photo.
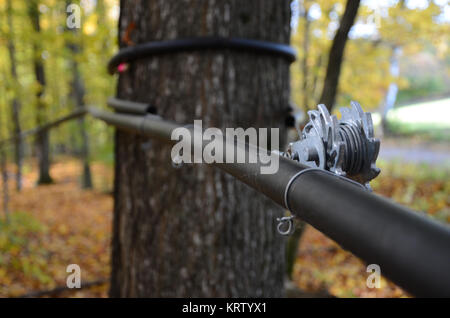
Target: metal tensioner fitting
(346, 147)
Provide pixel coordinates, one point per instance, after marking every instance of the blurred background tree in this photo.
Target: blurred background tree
(52, 66)
(381, 29)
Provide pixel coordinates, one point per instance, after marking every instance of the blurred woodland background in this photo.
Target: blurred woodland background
(56, 204)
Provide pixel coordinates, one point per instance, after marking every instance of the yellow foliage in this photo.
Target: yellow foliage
(365, 74)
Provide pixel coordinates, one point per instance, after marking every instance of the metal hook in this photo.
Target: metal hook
(289, 220)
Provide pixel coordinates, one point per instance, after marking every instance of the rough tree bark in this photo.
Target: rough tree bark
(42, 139)
(15, 104)
(336, 54)
(196, 231)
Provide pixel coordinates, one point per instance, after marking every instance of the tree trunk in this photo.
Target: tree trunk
(15, 105)
(101, 13)
(304, 67)
(292, 245)
(335, 57)
(3, 161)
(391, 94)
(195, 231)
(315, 90)
(77, 95)
(42, 139)
(4, 183)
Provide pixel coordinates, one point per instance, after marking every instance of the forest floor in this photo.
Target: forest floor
(52, 226)
(56, 225)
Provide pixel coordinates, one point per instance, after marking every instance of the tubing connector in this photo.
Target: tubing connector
(346, 147)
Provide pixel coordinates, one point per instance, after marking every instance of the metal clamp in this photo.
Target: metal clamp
(346, 147)
(295, 176)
